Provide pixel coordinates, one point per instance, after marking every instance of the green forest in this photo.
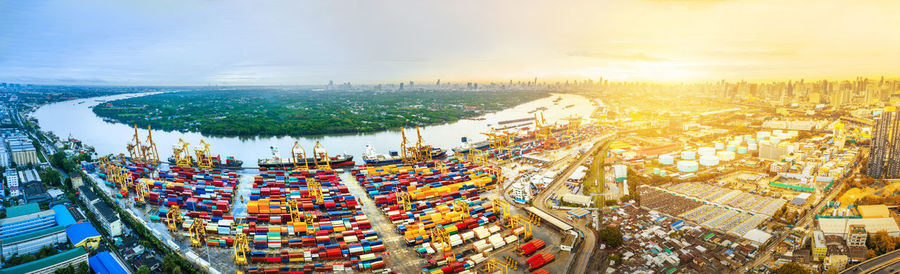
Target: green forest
(295, 112)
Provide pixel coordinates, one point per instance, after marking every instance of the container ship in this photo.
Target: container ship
(340, 160)
(373, 158)
(230, 162)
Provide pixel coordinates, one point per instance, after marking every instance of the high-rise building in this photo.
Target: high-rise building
(880, 144)
(893, 162)
(839, 136)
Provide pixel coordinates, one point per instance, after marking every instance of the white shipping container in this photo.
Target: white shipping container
(511, 239)
(367, 257)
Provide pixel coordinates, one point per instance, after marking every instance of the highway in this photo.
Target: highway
(886, 263)
(540, 201)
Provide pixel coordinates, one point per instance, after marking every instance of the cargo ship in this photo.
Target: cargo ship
(466, 146)
(537, 109)
(373, 158)
(230, 162)
(340, 160)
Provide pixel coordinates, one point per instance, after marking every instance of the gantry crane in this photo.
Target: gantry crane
(572, 126)
(526, 224)
(501, 207)
(440, 240)
(173, 218)
(461, 206)
(198, 233)
(320, 155)
(204, 156)
(241, 248)
(181, 153)
(151, 155)
(140, 191)
(492, 138)
(404, 201)
(493, 265)
(315, 190)
(424, 150)
(295, 210)
(407, 153)
(135, 149)
(298, 154)
(125, 180)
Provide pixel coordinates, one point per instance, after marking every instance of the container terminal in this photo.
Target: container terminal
(420, 212)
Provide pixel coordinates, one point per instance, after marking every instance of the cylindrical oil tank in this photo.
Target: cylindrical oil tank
(725, 155)
(709, 160)
(688, 166)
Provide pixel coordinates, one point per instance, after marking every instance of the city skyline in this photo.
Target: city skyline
(289, 43)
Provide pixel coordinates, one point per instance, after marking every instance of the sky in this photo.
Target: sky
(231, 42)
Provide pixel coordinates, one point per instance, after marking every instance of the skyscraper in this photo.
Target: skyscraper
(880, 144)
(893, 162)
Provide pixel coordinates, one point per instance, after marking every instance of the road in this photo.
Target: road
(887, 263)
(540, 201)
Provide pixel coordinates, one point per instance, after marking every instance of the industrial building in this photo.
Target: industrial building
(841, 227)
(83, 235)
(21, 221)
(33, 241)
(50, 264)
(104, 262)
(38, 229)
(108, 217)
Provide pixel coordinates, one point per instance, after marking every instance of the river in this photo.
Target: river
(75, 118)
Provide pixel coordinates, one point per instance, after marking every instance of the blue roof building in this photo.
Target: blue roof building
(104, 262)
(83, 234)
(63, 216)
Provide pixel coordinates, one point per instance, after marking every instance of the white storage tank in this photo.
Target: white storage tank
(709, 160)
(725, 155)
(666, 159)
(688, 155)
(719, 145)
(752, 147)
(688, 166)
(742, 150)
(731, 148)
(706, 151)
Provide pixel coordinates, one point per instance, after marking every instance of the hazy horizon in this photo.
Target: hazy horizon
(288, 43)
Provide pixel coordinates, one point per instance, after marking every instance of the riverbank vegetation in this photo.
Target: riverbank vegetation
(278, 112)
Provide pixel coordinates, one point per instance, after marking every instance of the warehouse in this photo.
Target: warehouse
(839, 227)
(104, 262)
(50, 264)
(32, 242)
(17, 223)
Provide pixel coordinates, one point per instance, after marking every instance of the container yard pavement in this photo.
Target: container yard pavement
(399, 257)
